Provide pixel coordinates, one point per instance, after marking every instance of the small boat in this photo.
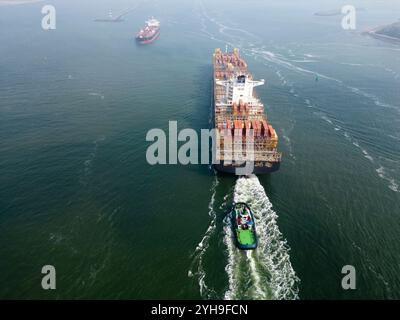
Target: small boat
(244, 227)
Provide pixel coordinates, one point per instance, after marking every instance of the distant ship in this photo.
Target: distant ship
(149, 33)
(328, 13)
(110, 18)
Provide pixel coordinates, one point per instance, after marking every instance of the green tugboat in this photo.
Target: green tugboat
(244, 227)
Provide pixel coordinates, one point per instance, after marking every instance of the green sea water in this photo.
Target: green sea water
(76, 191)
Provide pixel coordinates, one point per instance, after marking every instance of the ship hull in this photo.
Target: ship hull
(148, 40)
(258, 168)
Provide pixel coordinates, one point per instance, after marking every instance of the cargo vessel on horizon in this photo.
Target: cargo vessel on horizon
(149, 33)
(243, 133)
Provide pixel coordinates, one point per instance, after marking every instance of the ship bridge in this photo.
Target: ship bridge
(240, 89)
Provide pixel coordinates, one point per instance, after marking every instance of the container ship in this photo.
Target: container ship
(149, 33)
(243, 133)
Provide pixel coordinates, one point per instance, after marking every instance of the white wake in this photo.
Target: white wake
(269, 268)
(197, 267)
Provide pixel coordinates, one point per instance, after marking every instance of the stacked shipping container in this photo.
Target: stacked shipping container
(240, 122)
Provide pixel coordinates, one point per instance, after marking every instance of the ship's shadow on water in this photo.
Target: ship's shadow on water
(198, 116)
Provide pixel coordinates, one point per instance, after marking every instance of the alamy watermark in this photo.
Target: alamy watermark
(236, 150)
(49, 280)
(349, 280)
(349, 19)
(49, 20)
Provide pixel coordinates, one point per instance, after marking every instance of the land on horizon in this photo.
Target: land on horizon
(16, 2)
(389, 32)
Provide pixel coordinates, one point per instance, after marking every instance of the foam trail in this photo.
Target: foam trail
(269, 266)
(202, 246)
(381, 171)
(222, 27)
(89, 161)
(393, 185)
(281, 61)
(260, 292)
(231, 267)
(96, 94)
(286, 63)
(373, 98)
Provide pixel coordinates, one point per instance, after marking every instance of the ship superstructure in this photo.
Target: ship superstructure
(243, 132)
